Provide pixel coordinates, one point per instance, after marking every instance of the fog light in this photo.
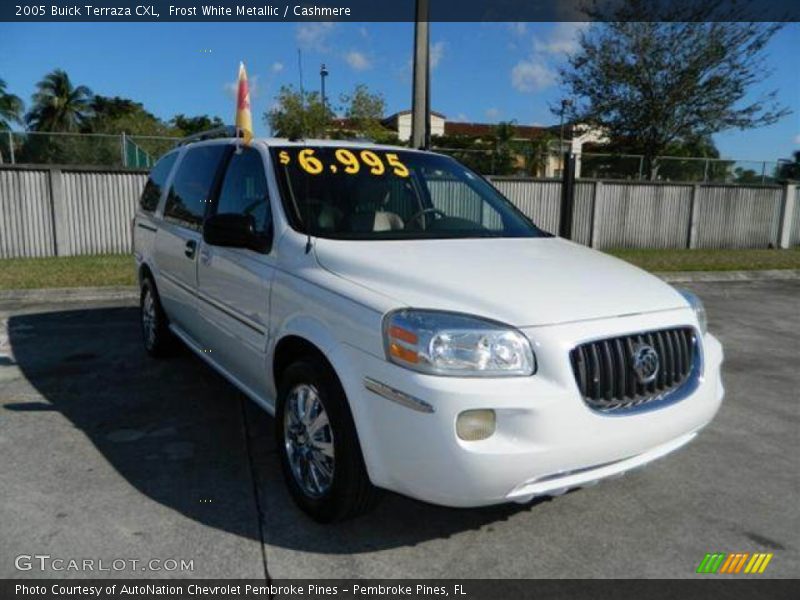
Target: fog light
(474, 425)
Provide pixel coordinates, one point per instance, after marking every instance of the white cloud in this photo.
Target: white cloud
(797, 139)
(538, 72)
(357, 60)
(461, 117)
(532, 75)
(363, 32)
(436, 54)
(562, 39)
(232, 87)
(314, 36)
(277, 67)
(492, 113)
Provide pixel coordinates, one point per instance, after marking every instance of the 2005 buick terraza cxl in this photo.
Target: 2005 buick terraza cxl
(410, 329)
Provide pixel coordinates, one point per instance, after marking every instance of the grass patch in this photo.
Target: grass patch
(67, 271)
(119, 269)
(710, 260)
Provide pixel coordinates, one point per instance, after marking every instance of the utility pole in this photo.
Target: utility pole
(420, 102)
(323, 73)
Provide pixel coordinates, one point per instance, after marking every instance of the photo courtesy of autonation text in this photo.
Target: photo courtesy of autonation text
(415, 299)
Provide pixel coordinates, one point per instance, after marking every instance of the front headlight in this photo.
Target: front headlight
(697, 307)
(442, 343)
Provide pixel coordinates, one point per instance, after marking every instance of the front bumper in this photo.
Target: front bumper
(547, 440)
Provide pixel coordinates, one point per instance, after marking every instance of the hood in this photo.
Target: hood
(521, 281)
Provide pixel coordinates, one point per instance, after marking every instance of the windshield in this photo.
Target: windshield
(373, 194)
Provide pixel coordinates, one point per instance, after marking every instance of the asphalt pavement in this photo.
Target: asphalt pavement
(110, 455)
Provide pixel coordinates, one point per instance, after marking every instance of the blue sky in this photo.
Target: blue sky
(481, 71)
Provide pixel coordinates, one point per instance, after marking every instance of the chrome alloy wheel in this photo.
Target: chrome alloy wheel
(308, 438)
(149, 319)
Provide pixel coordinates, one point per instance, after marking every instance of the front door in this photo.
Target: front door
(234, 283)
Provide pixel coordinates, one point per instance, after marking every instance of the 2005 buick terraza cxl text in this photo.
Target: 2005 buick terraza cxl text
(409, 328)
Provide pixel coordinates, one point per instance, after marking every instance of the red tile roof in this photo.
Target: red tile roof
(488, 129)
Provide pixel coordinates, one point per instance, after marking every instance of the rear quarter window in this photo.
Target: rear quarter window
(155, 182)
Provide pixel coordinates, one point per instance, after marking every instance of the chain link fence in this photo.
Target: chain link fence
(134, 151)
(87, 149)
(631, 167)
(679, 169)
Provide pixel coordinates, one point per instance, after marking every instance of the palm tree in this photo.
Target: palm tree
(10, 108)
(57, 105)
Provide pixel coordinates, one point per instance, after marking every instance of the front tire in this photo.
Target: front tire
(158, 339)
(318, 445)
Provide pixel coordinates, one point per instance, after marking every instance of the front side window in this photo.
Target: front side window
(155, 183)
(244, 189)
(371, 194)
(192, 185)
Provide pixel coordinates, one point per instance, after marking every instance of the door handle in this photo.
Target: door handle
(190, 249)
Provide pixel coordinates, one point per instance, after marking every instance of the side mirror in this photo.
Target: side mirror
(234, 231)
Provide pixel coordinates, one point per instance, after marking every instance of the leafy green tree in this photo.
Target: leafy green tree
(191, 125)
(477, 154)
(121, 115)
(11, 108)
(298, 115)
(746, 176)
(535, 152)
(58, 105)
(498, 153)
(115, 115)
(504, 154)
(790, 169)
(365, 111)
(661, 73)
(674, 169)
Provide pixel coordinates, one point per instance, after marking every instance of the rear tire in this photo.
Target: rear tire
(158, 339)
(318, 445)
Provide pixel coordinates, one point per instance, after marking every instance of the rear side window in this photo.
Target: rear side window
(155, 183)
(192, 185)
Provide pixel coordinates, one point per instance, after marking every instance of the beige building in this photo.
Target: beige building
(401, 124)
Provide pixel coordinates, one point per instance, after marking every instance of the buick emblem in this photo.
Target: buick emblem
(645, 363)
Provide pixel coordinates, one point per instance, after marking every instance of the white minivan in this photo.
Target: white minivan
(410, 329)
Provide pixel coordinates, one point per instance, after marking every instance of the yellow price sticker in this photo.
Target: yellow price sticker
(399, 168)
(350, 162)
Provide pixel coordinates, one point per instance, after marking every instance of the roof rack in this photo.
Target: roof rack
(227, 131)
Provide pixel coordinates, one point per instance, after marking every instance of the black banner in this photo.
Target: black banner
(398, 10)
(414, 589)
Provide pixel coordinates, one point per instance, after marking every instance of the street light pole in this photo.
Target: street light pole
(323, 73)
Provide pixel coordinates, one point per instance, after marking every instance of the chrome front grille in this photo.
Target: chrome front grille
(606, 370)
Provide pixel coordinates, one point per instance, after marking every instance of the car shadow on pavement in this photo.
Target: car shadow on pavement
(184, 437)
